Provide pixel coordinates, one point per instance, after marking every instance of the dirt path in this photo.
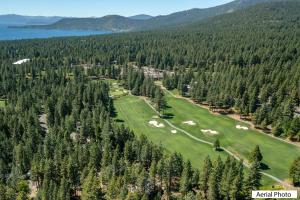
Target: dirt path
(33, 189)
(232, 116)
(285, 184)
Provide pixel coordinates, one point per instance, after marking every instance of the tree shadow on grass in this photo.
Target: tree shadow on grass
(119, 120)
(113, 112)
(219, 149)
(264, 166)
(168, 116)
(168, 106)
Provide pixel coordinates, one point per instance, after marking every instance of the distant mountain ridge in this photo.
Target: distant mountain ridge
(141, 17)
(118, 23)
(13, 19)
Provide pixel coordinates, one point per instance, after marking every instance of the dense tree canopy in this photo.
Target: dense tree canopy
(248, 60)
(57, 133)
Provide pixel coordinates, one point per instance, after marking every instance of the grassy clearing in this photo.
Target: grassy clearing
(278, 155)
(2, 103)
(116, 90)
(137, 114)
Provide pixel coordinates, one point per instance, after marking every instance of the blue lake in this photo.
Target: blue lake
(7, 33)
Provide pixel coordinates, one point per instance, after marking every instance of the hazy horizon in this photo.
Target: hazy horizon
(95, 8)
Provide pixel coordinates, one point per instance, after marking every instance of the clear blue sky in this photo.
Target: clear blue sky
(87, 8)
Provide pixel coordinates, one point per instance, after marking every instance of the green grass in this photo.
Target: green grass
(2, 103)
(278, 155)
(116, 90)
(136, 114)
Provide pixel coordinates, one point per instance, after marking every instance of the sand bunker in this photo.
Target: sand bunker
(212, 132)
(21, 61)
(155, 117)
(241, 127)
(173, 131)
(156, 124)
(191, 123)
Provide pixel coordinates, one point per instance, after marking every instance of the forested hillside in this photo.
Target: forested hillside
(27, 20)
(248, 60)
(121, 24)
(58, 139)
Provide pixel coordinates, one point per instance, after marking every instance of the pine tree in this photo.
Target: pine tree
(152, 172)
(160, 101)
(253, 179)
(64, 190)
(112, 188)
(23, 190)
(256, 155)
(225, 182)
(213, 189)
(160, 170)
(204, 175)
(295, 172)
(22, 196)
(190, 196)
(219, 167)
(186, 178)
(167, 176)
(217, 145)
(236, 190)
(195, 178)
(91, 188)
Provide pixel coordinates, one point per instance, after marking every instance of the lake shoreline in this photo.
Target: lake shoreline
(11, 32)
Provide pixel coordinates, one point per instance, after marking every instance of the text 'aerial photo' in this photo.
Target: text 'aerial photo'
(149, 100)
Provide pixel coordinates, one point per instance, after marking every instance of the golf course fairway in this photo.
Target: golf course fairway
(137, 114)
(277, 155)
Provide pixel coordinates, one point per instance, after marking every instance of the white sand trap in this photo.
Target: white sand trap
(156, 124)
(191, 123)
(212, 132)
(173, 131)
(21, 61)
(241, 127)
(155, 117)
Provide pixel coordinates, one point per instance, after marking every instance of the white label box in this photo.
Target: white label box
(278, 194)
